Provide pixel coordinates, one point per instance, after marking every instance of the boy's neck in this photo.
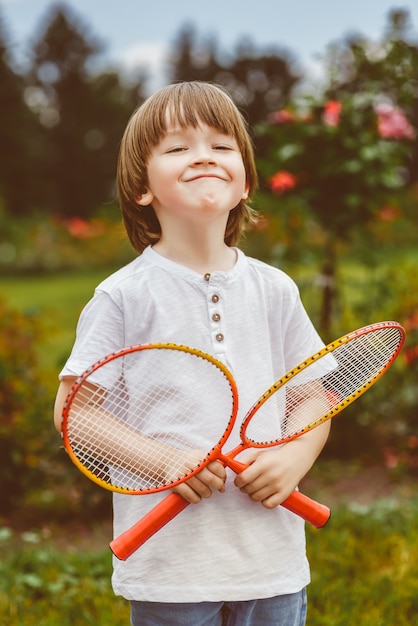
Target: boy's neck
(197, 256)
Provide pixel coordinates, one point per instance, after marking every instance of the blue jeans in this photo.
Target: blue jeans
(287, 610)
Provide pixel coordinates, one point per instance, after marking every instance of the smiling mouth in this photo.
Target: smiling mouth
(203, 176)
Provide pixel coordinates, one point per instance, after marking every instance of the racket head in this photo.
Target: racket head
(323, 385)
(148, 402)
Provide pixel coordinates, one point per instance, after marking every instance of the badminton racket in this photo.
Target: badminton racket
(132, 422)
(307, 396)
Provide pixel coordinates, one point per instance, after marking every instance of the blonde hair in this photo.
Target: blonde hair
(189, 103)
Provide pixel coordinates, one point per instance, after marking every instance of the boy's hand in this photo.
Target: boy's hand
(211, 478)
(273, 474)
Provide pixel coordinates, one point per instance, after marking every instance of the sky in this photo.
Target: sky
(141, 33)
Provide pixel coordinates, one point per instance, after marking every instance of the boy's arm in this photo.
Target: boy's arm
(209, 479)
(62, 393)
(274, 473)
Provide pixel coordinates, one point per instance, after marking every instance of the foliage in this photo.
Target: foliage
(38, 244)
(364, 567)
(35, 473)
(381, 425)
(18, 138)
(23, 406)
(386, 68)
(35, 337)
(343, 162)
(62, 120)
(42, 584)
(81, 116)
(258, 81)
(345, 159)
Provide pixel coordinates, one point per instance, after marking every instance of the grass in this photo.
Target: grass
(364, 572)
(365, 567)
(41, 583)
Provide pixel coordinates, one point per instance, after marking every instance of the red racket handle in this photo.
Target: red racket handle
(311, 511)
(128, 542)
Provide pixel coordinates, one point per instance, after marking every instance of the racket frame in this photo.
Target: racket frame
(81, 380)
(328, 349)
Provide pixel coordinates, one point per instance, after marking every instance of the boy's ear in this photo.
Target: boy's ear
(245, 192)
(145, 199)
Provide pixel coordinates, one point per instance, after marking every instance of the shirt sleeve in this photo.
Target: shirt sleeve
(301, 339)
(100, 331)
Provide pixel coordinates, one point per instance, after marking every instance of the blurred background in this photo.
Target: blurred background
(331, 98)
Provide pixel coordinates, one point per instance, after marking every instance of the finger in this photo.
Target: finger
(218, 469)
(186, 492)
(273, 501)
(203, 484)
(248, 476)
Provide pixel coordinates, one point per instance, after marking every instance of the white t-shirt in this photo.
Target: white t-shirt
(250, 318)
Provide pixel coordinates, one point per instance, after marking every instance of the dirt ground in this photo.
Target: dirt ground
(338, 485)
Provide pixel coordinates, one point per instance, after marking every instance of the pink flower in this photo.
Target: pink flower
(391, 459)
(332, 112)
(282, 181)
(392, 122)
(281, 117)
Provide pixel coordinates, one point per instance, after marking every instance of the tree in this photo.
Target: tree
(17, 131)
(258, 82)
(192, 60)
(83, 116)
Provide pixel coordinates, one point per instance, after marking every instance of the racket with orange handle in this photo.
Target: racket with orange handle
(142, 420)
(307, 396)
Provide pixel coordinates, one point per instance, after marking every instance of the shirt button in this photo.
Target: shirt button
(215, 298)
(207, 276)
(219, 337)
(216, 317)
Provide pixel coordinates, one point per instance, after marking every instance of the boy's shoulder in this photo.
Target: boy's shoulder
(268, 272)
(123, 274)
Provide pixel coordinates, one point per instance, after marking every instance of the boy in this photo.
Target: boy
(186, 174)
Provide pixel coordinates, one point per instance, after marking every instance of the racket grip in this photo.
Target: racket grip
(128, 542)
(311, 511)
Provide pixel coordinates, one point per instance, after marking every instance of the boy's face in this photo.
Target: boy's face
(194, 173)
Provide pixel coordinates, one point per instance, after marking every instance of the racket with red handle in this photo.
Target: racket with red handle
(307, 396)
(143, 419)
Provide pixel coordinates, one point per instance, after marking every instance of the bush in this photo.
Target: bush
(40, 244)
(24, 405)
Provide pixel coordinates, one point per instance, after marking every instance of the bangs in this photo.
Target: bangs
(190, 104)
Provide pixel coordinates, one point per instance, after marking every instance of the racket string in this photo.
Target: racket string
(146, 430)
(322, 386)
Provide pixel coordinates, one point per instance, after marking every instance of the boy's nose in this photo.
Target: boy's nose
(204, 158)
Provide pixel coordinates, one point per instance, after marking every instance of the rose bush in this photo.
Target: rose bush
(344, 159)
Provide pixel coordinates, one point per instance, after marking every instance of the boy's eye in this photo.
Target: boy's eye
(176, 149)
